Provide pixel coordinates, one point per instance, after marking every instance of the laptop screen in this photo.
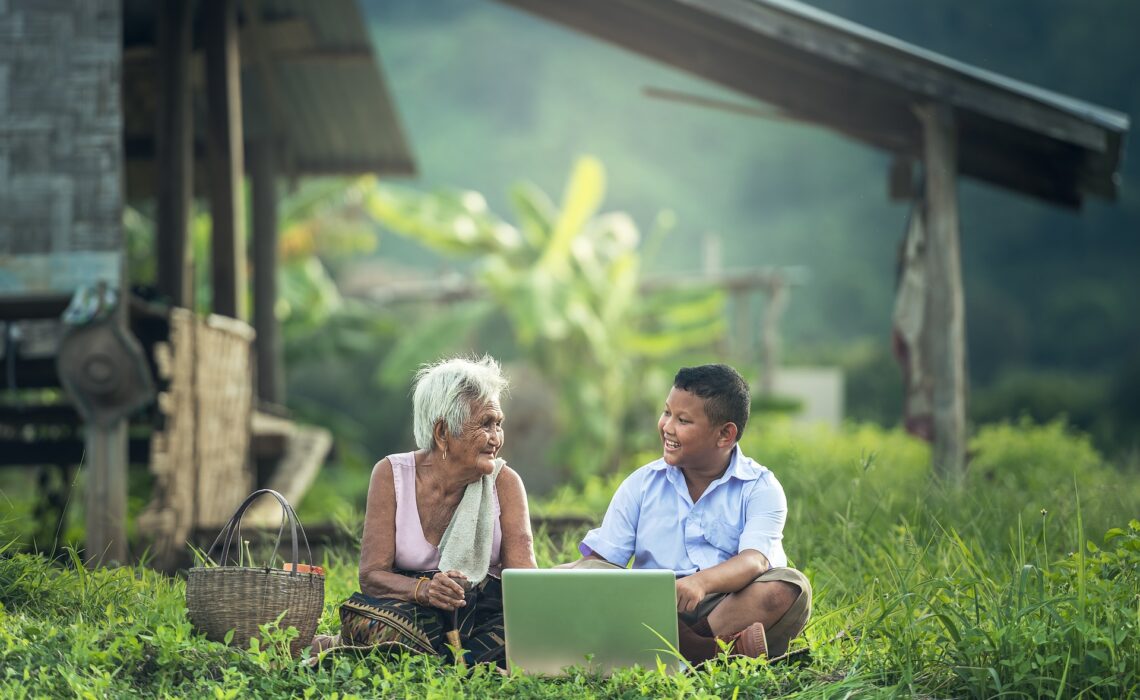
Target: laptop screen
(590, 618)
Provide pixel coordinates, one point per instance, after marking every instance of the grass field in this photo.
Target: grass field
(1024, 583)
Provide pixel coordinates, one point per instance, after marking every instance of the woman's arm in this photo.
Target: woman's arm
(378, 544)
(517, 547)
(378, 552)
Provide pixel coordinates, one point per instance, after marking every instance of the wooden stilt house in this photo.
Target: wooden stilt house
(164, 102)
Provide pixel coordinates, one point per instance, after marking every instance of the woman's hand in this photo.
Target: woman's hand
(445, 590)
(690, 592)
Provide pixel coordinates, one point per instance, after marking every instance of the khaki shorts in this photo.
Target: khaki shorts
(779, 635)
(786, 628)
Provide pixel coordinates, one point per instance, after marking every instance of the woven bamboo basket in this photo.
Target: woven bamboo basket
(241, 598)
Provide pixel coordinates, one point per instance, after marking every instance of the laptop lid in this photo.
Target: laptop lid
(597, 619)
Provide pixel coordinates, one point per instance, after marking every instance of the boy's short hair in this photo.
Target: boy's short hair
(726, 394)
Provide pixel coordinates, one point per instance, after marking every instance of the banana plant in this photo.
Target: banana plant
(567, 277)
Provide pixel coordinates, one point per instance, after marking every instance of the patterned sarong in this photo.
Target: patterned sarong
(386, 623)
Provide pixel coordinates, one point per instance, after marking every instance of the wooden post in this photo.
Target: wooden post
(775, 301)
(263, 173)
(105, 502)
(744, 350)
(945, 323)
(224, 143)
(106, 495)
(175, 156)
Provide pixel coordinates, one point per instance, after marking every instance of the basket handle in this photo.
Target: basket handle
(234, 527)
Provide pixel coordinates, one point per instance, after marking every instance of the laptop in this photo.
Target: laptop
(597, 619)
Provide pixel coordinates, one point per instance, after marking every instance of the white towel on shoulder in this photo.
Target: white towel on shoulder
(466, 543)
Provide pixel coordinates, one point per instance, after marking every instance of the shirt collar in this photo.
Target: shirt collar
(739, 466)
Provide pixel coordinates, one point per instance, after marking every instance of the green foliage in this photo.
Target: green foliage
(1046, 288)
(919, 591)
(567, 280)
(1101, 405)
(949, 592)
(142, 260)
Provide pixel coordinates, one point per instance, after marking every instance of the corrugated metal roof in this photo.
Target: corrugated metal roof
(311, 83)
(335, 111)
(825, 70)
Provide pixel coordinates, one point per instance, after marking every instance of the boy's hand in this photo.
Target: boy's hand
(690, 592)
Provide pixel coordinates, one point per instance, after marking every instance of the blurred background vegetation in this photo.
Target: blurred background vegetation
(546, 245)
(1048, 291)
(500, 106)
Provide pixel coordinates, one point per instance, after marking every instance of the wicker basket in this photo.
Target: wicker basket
(240, 598)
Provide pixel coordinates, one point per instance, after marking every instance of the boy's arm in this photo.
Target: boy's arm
(766, 511)
(577, 562)
(728, 576)
(614, 540)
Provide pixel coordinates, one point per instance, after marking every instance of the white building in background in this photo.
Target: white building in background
(818, 389)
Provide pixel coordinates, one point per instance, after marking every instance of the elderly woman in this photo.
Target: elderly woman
(442, 523)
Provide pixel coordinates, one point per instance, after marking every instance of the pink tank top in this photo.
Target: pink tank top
(413, 551)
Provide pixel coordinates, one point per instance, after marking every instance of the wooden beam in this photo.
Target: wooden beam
(37, 373)
(43, 414)
(309, 166)
(31, 306)
(270, 371)
(175, 162)
(142, 148)
(346, 55)
(17, 453)
(945, 323)
(224, 143)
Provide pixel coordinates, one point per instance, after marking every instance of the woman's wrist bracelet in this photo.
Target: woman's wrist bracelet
(416, 592)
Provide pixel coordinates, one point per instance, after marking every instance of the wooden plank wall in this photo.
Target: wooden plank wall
(200, 459)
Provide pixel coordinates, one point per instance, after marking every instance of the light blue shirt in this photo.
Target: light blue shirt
(652, 519)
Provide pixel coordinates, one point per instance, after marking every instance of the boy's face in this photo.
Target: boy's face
(689, 439)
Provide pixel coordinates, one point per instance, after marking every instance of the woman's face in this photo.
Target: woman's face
(480, 438)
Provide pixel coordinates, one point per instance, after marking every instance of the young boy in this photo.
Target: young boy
(714, 517)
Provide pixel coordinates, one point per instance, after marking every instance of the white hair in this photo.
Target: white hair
(447, 390)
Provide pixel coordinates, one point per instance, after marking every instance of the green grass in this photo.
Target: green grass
(1026, 583)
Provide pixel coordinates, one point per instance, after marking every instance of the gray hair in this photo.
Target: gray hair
(447, 390)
